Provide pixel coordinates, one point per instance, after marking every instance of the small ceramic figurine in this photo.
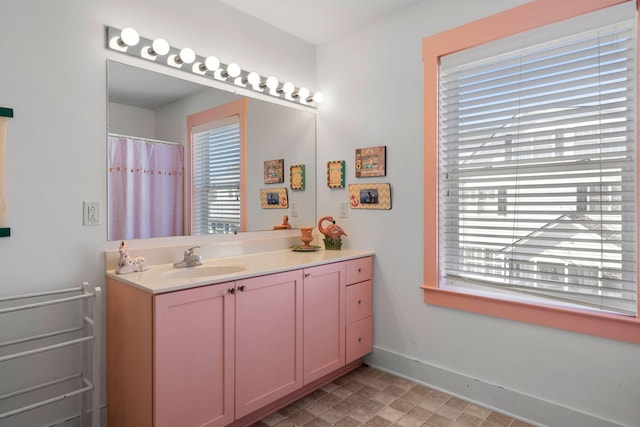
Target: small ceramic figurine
(285, 224)
(332, 233)
(128, 264)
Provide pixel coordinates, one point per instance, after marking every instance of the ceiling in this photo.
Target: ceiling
(320, 21)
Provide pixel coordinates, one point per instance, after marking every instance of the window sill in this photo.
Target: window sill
(612, 326)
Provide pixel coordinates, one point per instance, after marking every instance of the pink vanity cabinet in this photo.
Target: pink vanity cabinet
(229, 353)
(359, 320)
(196, 333)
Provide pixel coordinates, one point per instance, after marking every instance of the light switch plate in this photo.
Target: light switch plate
(344, 210)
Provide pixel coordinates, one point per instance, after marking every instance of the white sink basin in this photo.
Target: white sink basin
(203, 271)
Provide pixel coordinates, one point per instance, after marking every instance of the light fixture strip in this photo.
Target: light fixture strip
(189, 61)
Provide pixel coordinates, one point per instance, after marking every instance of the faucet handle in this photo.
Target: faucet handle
(189, 251)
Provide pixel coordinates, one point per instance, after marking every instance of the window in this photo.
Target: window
(535, 160)
(552, 127)
(217, 154)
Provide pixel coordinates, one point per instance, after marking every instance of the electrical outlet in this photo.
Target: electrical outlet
(344, 210)
(294, 209)
(90, 213)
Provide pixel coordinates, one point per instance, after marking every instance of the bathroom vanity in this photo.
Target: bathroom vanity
(231, 341)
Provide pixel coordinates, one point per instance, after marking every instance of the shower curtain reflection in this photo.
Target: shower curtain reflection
(145, 180)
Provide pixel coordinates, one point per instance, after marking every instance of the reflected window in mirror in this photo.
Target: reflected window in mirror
(218, 152)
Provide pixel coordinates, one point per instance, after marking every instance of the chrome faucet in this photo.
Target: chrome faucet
(190, 259)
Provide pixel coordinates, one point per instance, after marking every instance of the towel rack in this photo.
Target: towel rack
(86, 382)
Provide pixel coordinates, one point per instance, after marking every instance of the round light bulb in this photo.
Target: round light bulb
(129, 37)
(288, 88)
(303, 93)
(317, 97)
(253, 78)
(160, 47)
(186, 56)
(233, 70)
(272, 82)
(211, 63)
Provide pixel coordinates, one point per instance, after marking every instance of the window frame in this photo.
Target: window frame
(235, 108)
(510, 22)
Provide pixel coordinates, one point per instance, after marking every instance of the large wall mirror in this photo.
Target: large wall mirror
(151, 108)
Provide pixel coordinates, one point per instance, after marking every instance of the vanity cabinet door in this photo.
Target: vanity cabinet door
(194, 357)
(268, 339)
(324, 320)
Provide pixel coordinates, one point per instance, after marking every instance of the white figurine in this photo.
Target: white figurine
(127, 264)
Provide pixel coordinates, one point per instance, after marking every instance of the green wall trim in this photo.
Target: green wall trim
(5, 232)
(6, 112)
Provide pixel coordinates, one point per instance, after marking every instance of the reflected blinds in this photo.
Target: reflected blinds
(216, 178)
(537, 157)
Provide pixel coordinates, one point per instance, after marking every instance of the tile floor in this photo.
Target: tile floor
(368, 396)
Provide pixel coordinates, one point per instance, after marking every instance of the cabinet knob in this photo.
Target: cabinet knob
(359, 270)
(359, 302)
(242, 288)
(307, 274)
(232, 291)
(359, 339)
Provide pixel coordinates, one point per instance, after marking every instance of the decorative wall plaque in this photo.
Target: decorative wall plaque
(371, 161)
(370, 196)
(335, 174)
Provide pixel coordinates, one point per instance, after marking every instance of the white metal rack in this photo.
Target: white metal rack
(86, 382)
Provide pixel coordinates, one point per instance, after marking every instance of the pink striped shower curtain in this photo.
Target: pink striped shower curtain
(145, 188)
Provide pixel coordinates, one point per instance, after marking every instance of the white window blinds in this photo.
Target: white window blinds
(538, 169)
(216, 177)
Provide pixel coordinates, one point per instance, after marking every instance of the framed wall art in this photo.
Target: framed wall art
(370, 196)
(274, 198)
(296, 176)
(371, 161)
(335, 174)
(274, 171)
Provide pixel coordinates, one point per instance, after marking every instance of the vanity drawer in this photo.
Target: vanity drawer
(359, 339)
(359, 270)
(358, 301)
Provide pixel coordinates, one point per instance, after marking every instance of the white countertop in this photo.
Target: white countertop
(165, 278)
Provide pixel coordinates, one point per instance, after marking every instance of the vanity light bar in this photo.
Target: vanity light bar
(129, 41)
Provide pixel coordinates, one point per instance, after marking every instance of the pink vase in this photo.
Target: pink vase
(306, 236)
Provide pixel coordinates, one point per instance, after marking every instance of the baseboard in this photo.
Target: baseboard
(530, 409)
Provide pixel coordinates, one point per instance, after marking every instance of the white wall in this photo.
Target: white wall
(128, 120)
(54, 77)
(373, 85)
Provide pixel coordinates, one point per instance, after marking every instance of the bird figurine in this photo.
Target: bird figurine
(332, 233)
